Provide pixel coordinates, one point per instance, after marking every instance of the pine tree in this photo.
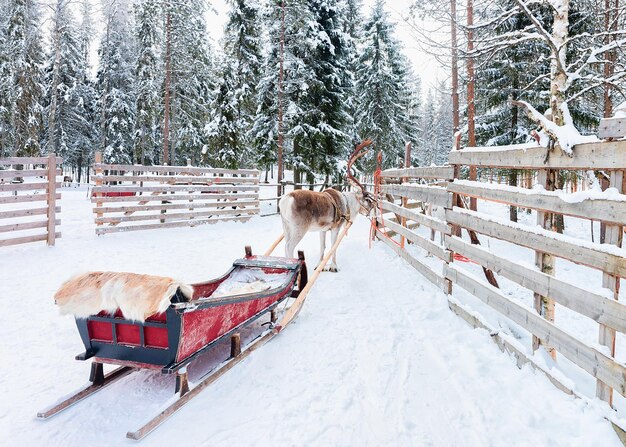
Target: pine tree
(85, 28)
(322, 117)
(25, 88)
(116, 105)
(87, 92)
(148, 76)
(352, 27)
(443, 125)
(314, 88)
(409, 102)
(382, 83)
(414, 115)
(69, 94)
(192, 80)
(5, 82)
(426, 148)
(240, 72)
(265, 127)
(435, 127)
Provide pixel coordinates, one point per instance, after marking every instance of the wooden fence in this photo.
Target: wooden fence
(595, 301)
(127, 196)
(28, 200)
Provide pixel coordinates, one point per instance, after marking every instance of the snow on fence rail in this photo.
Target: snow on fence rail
(127, 196)
(28, 200)
(597, 302)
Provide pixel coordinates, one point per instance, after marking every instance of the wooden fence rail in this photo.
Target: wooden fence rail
(127, 196)
(598, 302)
(29, 190)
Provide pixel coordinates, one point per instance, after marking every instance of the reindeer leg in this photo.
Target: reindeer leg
(332, 267)
(295, 236)
(288, 238)
(322, 245)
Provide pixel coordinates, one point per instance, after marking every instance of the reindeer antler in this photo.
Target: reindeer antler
(356, 154)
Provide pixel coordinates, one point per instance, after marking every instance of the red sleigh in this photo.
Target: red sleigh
(170, 340)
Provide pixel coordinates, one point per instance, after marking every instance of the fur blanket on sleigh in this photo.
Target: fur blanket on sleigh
(137, 296)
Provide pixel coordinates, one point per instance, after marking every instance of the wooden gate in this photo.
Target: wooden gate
(28, 200)
(127, 196)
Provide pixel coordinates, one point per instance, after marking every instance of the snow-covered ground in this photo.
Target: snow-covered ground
(375, 357)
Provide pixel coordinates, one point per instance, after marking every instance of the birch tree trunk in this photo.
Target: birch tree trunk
(558, 82)
(610, 25)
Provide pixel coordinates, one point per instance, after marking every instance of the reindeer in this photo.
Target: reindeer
(302, 211)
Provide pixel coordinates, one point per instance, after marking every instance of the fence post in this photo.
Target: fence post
(455, 230)
(544, 261)
(407, 164)
(606, 336)
(98, 173)
(52, 193)
(279, 192)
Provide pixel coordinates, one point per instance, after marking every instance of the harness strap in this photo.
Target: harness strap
(338, 215)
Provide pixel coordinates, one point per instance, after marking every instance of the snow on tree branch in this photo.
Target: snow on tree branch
(566, 136)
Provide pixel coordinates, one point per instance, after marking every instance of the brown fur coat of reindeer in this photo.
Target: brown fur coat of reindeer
(302, 211)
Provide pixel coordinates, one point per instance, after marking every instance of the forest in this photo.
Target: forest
(312, 76)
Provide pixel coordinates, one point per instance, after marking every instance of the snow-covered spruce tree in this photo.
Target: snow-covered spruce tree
(353, 29)
(87, 92)
(443, 127)
(410, 98)
(69, 94)
(5, 82)
(192, 81)
(148, 82)
(115, 82)
(25, 88)
(265, 127)
(415, 114)
(85, 27)
(433, 143)
(234, 106)
(426, 140)
(382, 84)
(318, 133)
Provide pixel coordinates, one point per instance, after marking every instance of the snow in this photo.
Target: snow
(567, 135)
(374, 358)
(511, 147)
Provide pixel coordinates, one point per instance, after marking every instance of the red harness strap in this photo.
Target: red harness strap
(458, 257)
(377, 182)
